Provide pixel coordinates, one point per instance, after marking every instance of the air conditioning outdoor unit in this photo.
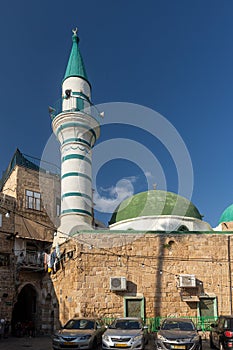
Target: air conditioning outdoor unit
(187, 281)
(118, 283)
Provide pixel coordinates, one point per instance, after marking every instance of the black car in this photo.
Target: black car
(221, 334)
(178, 333)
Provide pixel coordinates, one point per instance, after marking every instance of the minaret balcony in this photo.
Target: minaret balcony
(75, 105)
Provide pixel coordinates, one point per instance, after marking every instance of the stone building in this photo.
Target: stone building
(148, 274)
(27, 234)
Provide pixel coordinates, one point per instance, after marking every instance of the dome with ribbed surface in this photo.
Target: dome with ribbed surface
(227, 215)
(154, 203)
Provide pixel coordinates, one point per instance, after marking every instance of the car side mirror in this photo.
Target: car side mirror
(145, 327)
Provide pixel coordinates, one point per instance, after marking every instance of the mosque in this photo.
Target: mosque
(157, 258)
(153, 258)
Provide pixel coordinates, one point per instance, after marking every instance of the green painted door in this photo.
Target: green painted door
(207, 307)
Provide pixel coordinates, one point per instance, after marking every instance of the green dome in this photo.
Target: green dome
(154, 203)
(227, 215)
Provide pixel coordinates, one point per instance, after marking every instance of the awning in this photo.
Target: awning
(190, 299)
(29, 229)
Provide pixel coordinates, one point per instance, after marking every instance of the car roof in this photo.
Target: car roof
(128, 318)
(178, 319)
(83, 318)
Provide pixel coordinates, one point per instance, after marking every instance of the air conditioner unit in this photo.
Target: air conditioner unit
(187, 281)
(118, 283)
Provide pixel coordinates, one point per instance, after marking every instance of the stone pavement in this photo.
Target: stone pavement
(45, 343)
(37, 343)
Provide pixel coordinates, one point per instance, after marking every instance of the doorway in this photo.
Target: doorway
(208, 307)
(24, 311)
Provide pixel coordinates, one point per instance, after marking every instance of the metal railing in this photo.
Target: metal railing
(203, 323)
(91, 110)
(30, 260)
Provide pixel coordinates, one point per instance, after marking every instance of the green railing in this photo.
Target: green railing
(153, 323)
(202, 323)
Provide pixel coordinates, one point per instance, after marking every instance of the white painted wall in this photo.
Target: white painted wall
(161, 223)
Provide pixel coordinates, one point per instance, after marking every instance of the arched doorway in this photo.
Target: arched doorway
(24, 311)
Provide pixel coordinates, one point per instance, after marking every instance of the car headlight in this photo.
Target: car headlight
(56, 337)
(196, 338)
(137, 337)
(161, 337)
(105, 337)
(84, 337)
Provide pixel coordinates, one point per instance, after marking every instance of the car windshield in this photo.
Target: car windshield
(80, 324)
(178, 325)
(129, 324)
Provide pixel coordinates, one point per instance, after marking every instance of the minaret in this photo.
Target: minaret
(77, 131)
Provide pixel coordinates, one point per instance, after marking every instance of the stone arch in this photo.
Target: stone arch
(25, 311)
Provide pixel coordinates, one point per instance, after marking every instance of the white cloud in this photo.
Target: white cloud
(114, 195)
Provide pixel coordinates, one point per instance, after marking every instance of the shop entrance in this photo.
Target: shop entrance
(24, 312)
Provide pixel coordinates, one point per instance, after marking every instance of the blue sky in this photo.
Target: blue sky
(172, 56)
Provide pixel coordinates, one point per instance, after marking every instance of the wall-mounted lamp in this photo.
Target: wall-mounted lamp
(7, 215)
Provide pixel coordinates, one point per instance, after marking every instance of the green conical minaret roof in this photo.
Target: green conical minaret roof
(75, 66)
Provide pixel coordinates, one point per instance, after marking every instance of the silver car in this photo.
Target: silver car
(126, 332)
(79, 333)
(178, 333)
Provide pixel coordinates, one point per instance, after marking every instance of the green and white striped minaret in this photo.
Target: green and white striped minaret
(77, 131)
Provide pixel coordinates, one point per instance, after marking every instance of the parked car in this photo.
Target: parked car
(221, 333)
(125, 332)
(178, 333)
(79, 333)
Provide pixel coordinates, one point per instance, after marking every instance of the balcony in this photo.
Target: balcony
(30, 261)
(75, 104)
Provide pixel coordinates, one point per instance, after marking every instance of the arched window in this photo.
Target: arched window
(183, 228)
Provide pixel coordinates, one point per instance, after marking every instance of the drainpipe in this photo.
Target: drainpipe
(229, 269)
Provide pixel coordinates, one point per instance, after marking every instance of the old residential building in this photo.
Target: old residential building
(27, 233)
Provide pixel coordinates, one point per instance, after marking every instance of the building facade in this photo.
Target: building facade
(26, 236)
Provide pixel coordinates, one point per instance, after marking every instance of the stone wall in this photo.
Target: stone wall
(7, 261)
(151, 264)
